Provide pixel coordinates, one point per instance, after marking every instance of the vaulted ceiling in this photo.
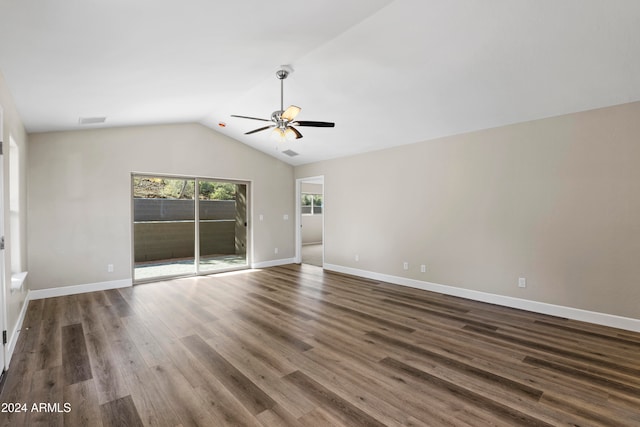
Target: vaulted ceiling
(386, 72)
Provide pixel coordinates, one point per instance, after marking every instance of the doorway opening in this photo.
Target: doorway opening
(184, 226)
(310, 218)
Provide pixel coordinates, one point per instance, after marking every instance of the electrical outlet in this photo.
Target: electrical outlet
(109, 268)
(405, 265)
(285, 217)
(357, 257)
(275, 250)
(522, 282)
(423, 268)
(261, 217)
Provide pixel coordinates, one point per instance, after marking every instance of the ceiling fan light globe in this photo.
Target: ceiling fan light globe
(283, 135)
(289, 134)
(278, 135)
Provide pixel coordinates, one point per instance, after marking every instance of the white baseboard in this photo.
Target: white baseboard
(604, 319)
(78, 289)
(273, 263)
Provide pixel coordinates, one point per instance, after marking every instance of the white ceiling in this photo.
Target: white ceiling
(386, 72)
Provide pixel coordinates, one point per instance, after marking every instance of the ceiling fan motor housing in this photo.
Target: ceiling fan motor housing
(276, 117)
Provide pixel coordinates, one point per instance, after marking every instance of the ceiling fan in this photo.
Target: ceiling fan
(283, 121)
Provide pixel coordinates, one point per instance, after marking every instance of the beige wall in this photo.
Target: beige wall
(12, 126)
(311, 229)
(556, 201)
(80, 195)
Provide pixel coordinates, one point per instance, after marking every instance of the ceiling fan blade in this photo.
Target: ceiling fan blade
(314, 124)
(291, 112)
(298, 134)
(252, 118)
(258, 130)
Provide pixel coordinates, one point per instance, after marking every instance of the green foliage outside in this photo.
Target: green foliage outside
(171, 188)
(311, 200)
(217, 190)
(311, 204)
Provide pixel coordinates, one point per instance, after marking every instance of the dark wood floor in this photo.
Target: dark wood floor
(296, 346)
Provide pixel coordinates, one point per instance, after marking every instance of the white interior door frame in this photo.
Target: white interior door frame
(316, 180)
(3, 300)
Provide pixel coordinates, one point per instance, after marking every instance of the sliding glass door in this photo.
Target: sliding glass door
(222, 225)
(187, 226)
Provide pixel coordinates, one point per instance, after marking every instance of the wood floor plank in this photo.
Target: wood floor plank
(17, 388)
(221, 412)
(254, 345)
(121, 412)
(220, 403)
(47, 396)
(185, 401)
(85, 408)
(295, 345)
(242, 387)
(264, 376)
(69, 310)
(29, 338)
(124, 352)
(333, 403)
(296, 313)
(498, 409)
(151, 404)
(391, 407)
(274, 331)
(582, 356)
(88, 310)
(148, 347)
(34, 313)
(515, 387)
(278, 417)
(75, 356)
(320, 417)
(592, 414)
(49, 353)
(118, 303)
(108, 378)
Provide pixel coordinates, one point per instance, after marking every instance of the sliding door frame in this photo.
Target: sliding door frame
(197, 270)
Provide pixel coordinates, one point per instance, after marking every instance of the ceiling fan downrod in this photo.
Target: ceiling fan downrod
(282, 74)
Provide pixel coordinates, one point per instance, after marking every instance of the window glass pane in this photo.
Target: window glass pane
(311, 204)
(317, 203)
(222, 225)
(212, 190)
(164, 233)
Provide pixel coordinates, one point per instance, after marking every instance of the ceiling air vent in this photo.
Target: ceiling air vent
(290, 153)
(91, 120)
